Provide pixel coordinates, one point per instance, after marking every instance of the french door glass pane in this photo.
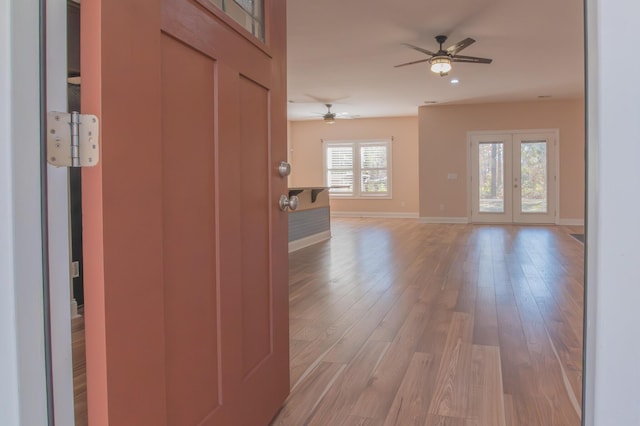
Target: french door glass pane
(491, 177)
(533, 177)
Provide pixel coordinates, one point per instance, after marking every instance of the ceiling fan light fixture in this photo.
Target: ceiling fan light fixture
(440, 64)
(329, 120)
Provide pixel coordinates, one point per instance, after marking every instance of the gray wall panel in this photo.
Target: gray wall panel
(308, 222)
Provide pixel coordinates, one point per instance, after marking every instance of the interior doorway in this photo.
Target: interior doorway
(514, 177)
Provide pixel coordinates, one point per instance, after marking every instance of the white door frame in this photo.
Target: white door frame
(23, 395)
(23, 366)
(498, 133)
(60, 280)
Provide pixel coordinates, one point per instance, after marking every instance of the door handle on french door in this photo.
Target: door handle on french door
(288, 202)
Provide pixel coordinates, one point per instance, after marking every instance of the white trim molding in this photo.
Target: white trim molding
(309, 241)
(388, 215)
(571, 222)
(23, 391)
(457, 220)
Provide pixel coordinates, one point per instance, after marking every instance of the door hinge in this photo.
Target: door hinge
(75, 269)
(72, 139)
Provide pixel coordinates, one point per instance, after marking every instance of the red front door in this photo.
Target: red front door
(186, 249)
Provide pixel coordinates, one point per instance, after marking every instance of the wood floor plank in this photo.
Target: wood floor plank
(376, 398)
(396, 316)
(509, 411)
(79, 371)
(435, 420)
(411, 402)
(346, 348)
(337, 405)
(297, 324)
(359, 421)
(299, 406)
(486, 395)
(451, 392)
(513, 346)
(485, 325)
(312, 354)
(296, 347)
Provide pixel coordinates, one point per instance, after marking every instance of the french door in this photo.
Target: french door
(513, 177)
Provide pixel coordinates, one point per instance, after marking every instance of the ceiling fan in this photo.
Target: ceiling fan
(441, 60)
(330, 117)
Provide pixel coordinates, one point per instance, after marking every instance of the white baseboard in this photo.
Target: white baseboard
(390, 215)
(459, 220)
(562, 222)
(571, 222)
(308, 241)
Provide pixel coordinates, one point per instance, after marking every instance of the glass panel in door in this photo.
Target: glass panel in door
(248, 13)
(534, 178)
(533, 175)
(491, 177)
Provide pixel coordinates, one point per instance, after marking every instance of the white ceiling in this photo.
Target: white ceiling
(344, 52)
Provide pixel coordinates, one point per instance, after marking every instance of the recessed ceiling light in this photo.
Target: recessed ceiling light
(455, 81)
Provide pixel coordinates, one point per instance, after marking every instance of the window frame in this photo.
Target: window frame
(356, 145)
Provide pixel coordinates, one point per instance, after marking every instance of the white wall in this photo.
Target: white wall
(308, 170)
(613, 335)
(22, 376)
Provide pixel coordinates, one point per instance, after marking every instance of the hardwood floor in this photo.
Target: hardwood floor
(394, 322)
(79, 371)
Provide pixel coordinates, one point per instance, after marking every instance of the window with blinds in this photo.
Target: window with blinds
(358, 169)
(340, 169)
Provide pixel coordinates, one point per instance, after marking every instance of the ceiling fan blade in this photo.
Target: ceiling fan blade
(452, 50)
(346, 115)
(419, 49)
(471, 59)
(324, 101)
(412, 62)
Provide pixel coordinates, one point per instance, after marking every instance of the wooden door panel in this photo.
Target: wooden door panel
(180, 17)
(187, 313)
(254, 229)
(189, 258)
